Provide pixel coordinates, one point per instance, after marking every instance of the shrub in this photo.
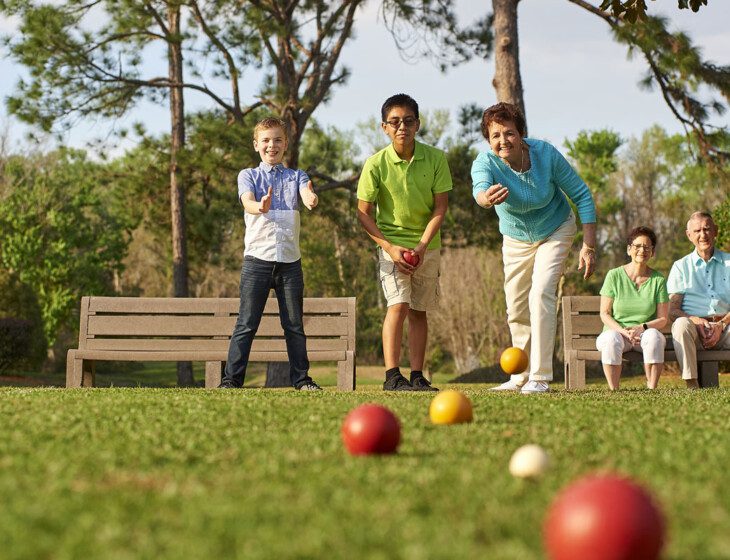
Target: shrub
(16, 342)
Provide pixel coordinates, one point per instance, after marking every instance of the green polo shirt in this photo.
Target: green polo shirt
(404, 192)
(631, 306)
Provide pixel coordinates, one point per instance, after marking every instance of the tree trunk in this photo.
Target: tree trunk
(507, 79)
(277, 375)
(295, 138)
(177, 189)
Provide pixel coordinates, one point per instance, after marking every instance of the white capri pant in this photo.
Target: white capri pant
(532, 272)
(613, 344)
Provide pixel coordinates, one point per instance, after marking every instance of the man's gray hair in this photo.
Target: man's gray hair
(699, 216)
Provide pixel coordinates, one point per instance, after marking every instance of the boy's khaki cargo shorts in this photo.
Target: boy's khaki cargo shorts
(420, 291)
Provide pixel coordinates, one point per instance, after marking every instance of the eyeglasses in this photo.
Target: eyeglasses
(408, 122)
(642, 247)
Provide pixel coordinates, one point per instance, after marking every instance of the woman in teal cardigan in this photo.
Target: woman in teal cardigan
(528, 182)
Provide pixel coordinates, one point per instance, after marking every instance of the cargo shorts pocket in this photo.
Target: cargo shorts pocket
(388, 279)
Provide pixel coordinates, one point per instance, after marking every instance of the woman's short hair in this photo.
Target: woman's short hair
(638, 232)
(502, 113)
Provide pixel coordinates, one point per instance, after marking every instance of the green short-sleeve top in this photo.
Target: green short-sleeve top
(404, 192)
(632, 306)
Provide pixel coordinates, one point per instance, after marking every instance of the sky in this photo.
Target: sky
(574, 75)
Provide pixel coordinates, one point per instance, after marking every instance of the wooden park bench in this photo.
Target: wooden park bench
(199, 329)
(582, 325)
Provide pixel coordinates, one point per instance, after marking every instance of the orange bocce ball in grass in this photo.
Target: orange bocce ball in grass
(513, 360)
(450, 407)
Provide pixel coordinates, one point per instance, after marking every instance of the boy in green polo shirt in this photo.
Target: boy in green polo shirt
(407, 183)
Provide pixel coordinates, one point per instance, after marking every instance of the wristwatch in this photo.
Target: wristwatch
(646, 327)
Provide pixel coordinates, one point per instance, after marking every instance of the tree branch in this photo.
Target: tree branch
(350, 183)
(232, 69)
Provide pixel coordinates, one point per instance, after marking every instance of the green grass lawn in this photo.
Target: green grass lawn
(191, 473)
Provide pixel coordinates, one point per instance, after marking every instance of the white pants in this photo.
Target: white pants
(531, 275)
(687, 341)
(613, 344)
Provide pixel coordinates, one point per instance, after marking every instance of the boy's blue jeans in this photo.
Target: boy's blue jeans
(257, 278)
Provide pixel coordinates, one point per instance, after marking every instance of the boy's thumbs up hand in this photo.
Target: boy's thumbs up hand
(309, 197)
(265, 203)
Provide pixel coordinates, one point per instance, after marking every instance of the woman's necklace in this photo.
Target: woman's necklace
(519, 171)
(521, 175)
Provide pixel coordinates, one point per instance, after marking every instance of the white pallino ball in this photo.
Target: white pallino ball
(529, 461)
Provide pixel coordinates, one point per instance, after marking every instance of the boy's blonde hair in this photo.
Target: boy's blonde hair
(269, 122)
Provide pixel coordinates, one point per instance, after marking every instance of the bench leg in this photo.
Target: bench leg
(88, 373)
(73, 370)
(708, 374)
(79, 372)
(346, 372)
(575, 373)
(213, 374)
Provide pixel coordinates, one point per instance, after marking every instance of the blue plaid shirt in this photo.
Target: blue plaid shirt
(273, 236)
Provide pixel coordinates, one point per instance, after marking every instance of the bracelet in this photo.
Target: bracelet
(646, 327)
(588, 248)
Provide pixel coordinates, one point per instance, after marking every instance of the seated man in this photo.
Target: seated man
(699, 297)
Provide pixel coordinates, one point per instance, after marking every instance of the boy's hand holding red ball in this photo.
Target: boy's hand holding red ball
(411, 257)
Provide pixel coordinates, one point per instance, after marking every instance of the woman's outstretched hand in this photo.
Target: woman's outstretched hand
(587, 261)
(496, 194)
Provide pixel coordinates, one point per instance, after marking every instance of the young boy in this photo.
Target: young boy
(409, 183)
(271, 258)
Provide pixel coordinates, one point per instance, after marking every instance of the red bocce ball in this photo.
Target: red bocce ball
(411, 258)
(371, 428)
(604, 517)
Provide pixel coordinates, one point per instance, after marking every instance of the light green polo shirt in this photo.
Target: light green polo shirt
(404, 192)
(631, 306)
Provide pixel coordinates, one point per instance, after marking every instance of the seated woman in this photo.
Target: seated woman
(634, 306)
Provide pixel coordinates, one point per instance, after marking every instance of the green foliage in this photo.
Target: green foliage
(337, 256)
(633, 10)
(653, 181)
(329, 151)
(594, 154)
(76, 64)
(168, 473)
(57, 235)
(17, 301)
(467, 223)
(677, 69)
(16, 341)
(216, 150)
(721, 215)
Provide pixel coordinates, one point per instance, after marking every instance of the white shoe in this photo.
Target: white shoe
(535, 387)
(507, 386)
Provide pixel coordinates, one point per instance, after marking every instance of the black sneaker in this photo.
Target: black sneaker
(397, 383)
(226, 384)
(310, 386)
(420, 383)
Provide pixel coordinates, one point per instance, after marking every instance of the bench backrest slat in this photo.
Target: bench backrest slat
(175, 325)
(189, 306)
(207, 344)
(167, 324)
